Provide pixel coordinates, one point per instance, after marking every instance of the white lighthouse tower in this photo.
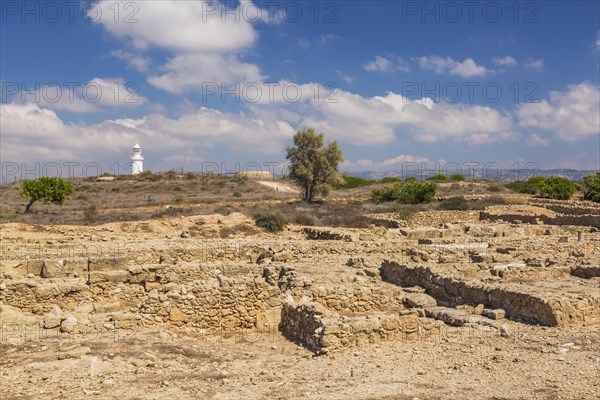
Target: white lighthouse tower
(137, 164)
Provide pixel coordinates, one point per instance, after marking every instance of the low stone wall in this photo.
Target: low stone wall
(548, 309)
(561, 219)
(568, 207)
(214, 304)
(349, 297)
(358, 298)
(323, 331)
(319, 234)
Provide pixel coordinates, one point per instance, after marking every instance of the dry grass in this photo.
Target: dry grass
(155, 196)
(129, 199)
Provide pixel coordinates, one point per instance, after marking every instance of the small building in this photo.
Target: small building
(256, 175)
(137, 160)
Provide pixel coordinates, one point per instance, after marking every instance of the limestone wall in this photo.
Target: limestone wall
(323, 330)
(560, 219)
(542, 307)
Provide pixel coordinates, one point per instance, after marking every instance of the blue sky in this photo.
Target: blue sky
(394, 82)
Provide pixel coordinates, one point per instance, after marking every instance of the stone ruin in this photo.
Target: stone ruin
(322, 288)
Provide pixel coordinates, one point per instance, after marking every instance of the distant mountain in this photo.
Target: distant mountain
(505, 175)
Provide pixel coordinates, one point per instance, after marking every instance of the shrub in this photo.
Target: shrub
(592, 187)
(90, 214)
(352, 182)
(417, 192)
(237, 194)
(454, 203)
(271, 221)
(390, 179)
(412, 192)
(536, 180)
(457, 178)
(522, 187)
(438, 178)
(389, 193)
(178, 199)
(557, 188)
(493, 188)
(223, 210)
(403, 212)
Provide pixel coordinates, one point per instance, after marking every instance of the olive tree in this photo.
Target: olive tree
(47, 190)
(313, 164)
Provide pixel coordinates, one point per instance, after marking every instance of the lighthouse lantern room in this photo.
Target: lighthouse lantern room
(137, 165)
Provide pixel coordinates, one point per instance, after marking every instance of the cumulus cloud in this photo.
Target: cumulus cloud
(380, 119)
(346, 78)
(505, 61)
(573, 114)
(185, 136)
(205, 46)
(536, 65)
(96, 95)
(264, 128)
(135, 61)
(385, 65)
(466, 69)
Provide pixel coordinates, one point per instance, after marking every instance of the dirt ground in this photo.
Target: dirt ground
(533, 363)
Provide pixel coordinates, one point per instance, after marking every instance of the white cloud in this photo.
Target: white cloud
(32, 133)
(322, 40)
(304, 43)
(385, 65)
(327, 39)
(191, 71)
(178, 25)
(378, 120)
(94, 96)
(505, 61)
(344, 77)
(466, 69)
(206, 46)
(264, 128)
(598, 41)
(573, 114)
(536, 140)
(135, 61)
(536, 65)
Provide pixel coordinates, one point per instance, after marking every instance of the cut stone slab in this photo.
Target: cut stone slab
(419, 300)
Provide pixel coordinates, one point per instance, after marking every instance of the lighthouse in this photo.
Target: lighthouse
(137, 164)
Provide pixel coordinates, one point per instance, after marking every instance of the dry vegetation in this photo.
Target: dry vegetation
(168, 194)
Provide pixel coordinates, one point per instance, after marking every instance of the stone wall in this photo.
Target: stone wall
(560, 219)
(322, 330)
(544, 307)
(321, 234)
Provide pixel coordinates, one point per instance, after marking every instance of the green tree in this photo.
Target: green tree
(457, 178)
(314, 165)
(47, 190)
(557, 188)
(592, 187)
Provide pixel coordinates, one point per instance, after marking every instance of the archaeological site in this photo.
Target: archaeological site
(498, 303)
